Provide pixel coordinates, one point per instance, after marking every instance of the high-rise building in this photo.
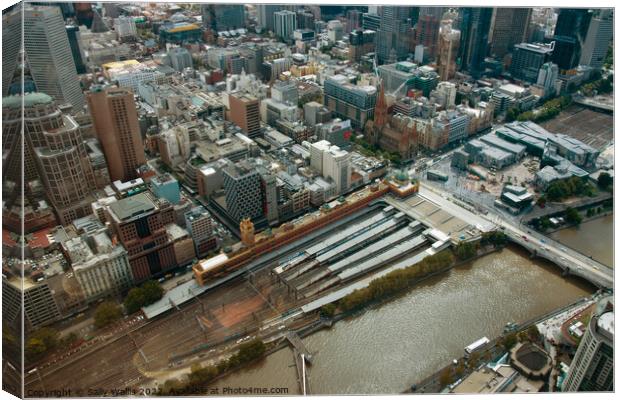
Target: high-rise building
(509, 26)
(73, 33)
(598, 39)
(547, 77)
(449, 42)
(348, 101)
(371, 21)
(245, 112)
(242, 186)
(264, 14)
(475, 25)
(393, 36)
(54, 156)
(115, 119)
(335, 30)
(180, 58)
(139, 223)
(285, 22)
(125, 28)
(570, 36)
(527, 59)
(592, 369)
(427, 34)
(354, 20)
(223, 17)
(48, 53)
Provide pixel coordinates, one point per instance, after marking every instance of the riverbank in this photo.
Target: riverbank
(584, 220)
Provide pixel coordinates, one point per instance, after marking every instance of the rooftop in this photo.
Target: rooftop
(130, 207)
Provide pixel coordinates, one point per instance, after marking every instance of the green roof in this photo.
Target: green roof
(30, 99)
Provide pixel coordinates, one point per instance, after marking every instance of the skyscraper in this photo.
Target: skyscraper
(394, 34)
(242, 186)
(527, 59)
(244, 111)
(475, 25)
(592, 368)
(116, 123)
(285, 22)
(509, 26)
(598, 38)
(223, 17)
(547, 77)
(54, 155)
(449, 42)
(264, 15)
(48, 53)
(570, 36)
(427, 33)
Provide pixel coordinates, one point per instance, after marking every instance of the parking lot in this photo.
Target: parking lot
(591, 127)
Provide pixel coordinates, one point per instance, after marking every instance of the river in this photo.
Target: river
(388, 348)
(593, 238)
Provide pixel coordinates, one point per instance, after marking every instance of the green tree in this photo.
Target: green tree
(134, 300)
(465, 250)
(512, 114)
(153, 291)
(509, 341)
(573, 216)
(445, 378)
(41, 341)
(533, 333)
(328, 310)
(541, 201)
(604, 180)
(106, 313)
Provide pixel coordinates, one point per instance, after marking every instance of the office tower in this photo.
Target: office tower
(54, 156)
(475, 25)
(598, 39)
(354, 20)
(592, 369)
(200, 227)
(38, 305)
(335, 30)
(244, 112)
(285, 22)
(449, 42)
(115, 119)
(242, 187)
(361, 42)
(84, 14)
(393, 37)
(427, 33)
(264, 15)
(371, 21)
(547, 77)
(48, 53)
(509, 26)
(180, 58)
(166, 187)
(348, 101)
(527, 59)
(223, 17)
(125, 28)
(285, 92)
(139, 223)
(305, 20)
(73, 33)
(332, 162)
(570, 36)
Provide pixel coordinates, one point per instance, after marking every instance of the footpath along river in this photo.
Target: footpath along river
(388, 348)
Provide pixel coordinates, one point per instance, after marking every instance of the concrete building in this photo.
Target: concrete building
(444, 94)
(448, 49)
(569, 36)
(56, 164)
(335, 30)
(166, 187)
(139, 222)
(200, 227)
(180, 58)
(115, 119)
(242, 187)
(427, 34)
(592, 367)
(333, 163)
(547, 79)
(285, 92)
(39, 306)
(245, 112)
(125, 28)
(47, 50)
(264, 15)
(174, 146)
(348, 101)
(599, 36)
(394, 33)
(285, 22)
(223, 17)
(101, 267)
(337, 132)
(528, 58)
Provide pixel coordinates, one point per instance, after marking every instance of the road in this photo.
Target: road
(577, 263)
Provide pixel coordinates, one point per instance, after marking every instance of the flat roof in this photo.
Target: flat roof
(131, 206)
(213, 262)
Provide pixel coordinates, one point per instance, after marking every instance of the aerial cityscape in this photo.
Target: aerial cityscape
(282, 199)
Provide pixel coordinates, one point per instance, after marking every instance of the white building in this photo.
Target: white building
(180, 58)
(100, 266)
(333, 163)
(285, 23)
(547, 77)
(335, 30)
(444, 94)
(125, 28)
(174, 146)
